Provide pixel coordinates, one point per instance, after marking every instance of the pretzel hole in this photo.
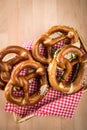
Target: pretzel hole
(59, 74)
(42, 50)
(34, 85)
(26, 71)
(57, 47)
(17, 91)
(72, 76)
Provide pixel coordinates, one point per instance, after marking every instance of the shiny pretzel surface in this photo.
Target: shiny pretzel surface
(71, 58)
(50, 38)
(23, 82)
(65, 59)
(7, 66)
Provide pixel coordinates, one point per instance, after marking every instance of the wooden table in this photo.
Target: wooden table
(22, 20)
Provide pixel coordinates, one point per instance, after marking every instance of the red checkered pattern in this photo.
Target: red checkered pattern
(54, 103)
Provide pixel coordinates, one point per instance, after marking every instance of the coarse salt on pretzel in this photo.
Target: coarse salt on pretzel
(7, 66)
(61, 60)
(23, 82)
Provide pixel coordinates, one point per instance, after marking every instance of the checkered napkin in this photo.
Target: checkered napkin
(54, 103)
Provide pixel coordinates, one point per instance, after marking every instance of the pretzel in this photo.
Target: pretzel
(6, 66)
(58, 33)
(48, 42)
(66, 64)
(23, 81)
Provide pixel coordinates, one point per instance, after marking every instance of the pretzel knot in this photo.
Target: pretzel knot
(7, 66)
(17, 81)
(50, 38)
(65, 59)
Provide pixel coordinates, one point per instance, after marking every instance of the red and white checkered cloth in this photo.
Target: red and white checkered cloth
(54, 103)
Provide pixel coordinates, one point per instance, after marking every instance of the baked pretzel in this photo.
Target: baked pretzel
(58, 33)
(23, 81)
(7, 66)
(60, 60)
(48, 42)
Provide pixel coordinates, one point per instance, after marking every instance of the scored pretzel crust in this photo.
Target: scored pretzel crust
(23, 81)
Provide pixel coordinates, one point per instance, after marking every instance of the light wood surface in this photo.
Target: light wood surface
(22, 20)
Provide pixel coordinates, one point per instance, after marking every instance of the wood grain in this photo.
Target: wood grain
(22, 20)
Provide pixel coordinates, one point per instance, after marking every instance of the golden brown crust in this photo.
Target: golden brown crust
(11, 76)
(48, 42)
(36, 53)
(23, 81)
(7, 66)
(66, 32)
(59, 60)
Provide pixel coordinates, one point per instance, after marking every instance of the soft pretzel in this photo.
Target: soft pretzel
(58, 33)
(60, 60)
(23, 81)
(7, 66)
(48, 41)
